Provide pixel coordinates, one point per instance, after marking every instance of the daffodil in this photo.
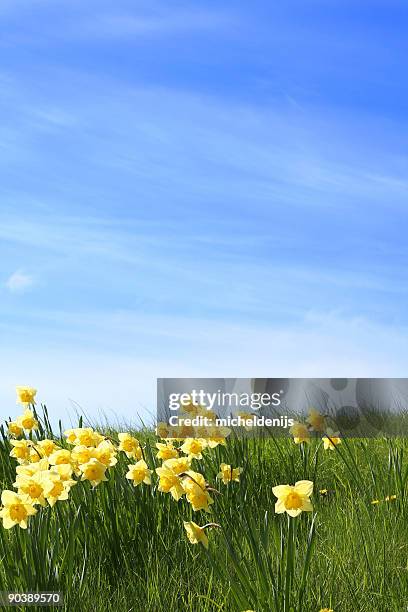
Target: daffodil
(166, 451)
(26, 395)
(64, 472)
(169, 482)
(300, 433)
(70, 435)
(27, 420)
(316, 420)
(14, 429)
(390, 498)
(15, 510)
(94, 471)
(293, 499)
(375, 502)
(21, 450)
(46, 447)
(217, 435)
(228, 474)
(55, 487)
(331, 440)
(178, 464)
(130, 446)
(195, 488)
(86, 436)
(35, 454)
(105, 453)
(81, 454)
(28, 469)
(193, 447)
(138, 473)
(31, 488)
(61, 456)
(196, 534)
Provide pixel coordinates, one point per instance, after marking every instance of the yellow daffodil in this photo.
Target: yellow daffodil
(390, 498)
(130, 446)
(15, 510)
(138, 473)
(331, 440)
(217, 435)
(81, 454)
(213, 442)
(197, 495)
(26, 395)
(31, 488)
(21, 450)
(55, 488)
(323, 491)
(27, 420)
(375, 502)
(193, 447)
(14, 429)
(63, 472)
(300, 433)
(228, 474)
(28, 469)
(35, 454)
(61, 456)
(105, 452)
(195, 534)
(94, 471)
(293, 499)
(178, 465)
(166, 451)
(46, 447)
(316, 420)
(86, 436)
(169, 482)
(70, 435)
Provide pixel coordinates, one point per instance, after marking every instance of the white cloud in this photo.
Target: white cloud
(19, 282)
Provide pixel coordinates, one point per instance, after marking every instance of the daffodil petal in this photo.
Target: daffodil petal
(9, 497)
(307, 505)
(304, 487)
(294, 512)
(281, 490)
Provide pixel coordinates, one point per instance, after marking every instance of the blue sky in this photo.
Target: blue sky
(199, 189)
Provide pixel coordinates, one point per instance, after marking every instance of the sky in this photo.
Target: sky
(199, 189)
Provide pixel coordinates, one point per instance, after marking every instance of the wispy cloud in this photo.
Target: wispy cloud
(19, 282)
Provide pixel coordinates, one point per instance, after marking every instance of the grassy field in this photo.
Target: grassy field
(119, 547)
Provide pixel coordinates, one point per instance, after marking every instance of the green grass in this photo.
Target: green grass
(120, 548)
